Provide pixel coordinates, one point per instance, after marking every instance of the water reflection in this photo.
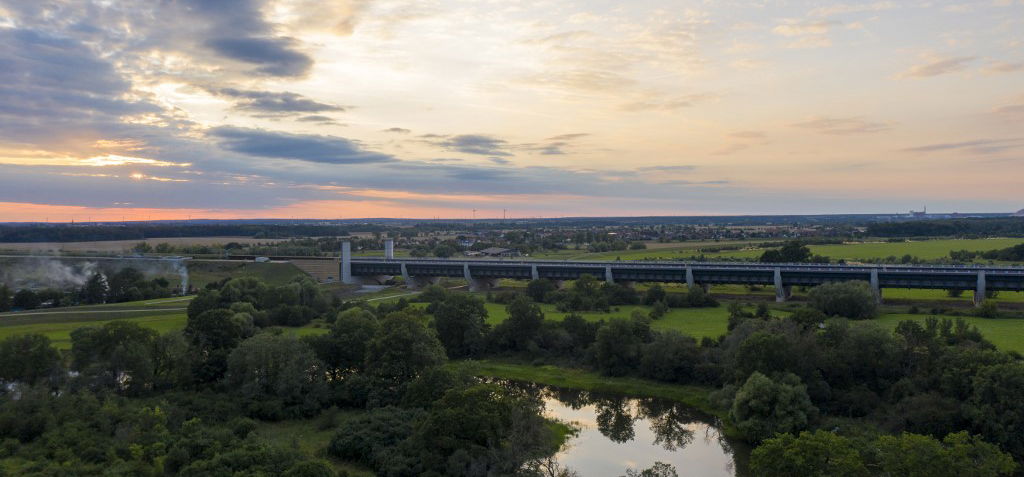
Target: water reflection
(616, 433)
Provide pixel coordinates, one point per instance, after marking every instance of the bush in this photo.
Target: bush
(764, 407)
(854, 300)
(988, 309)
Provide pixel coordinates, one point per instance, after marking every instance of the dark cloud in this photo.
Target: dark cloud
(317, 118)
(301, 147)
(842, 126)
(275, 56)
(500, 161)
(273, 102)
(398, 130)
(684, 168)
(979, 146)
(476, 144)
(55, 86)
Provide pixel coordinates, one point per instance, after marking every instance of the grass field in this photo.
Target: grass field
(202, 272)
(60, 333)
(696, 322)
(924, 249)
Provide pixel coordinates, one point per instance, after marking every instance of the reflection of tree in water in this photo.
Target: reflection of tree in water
(669, 422)
(572, 398)
(615, 419)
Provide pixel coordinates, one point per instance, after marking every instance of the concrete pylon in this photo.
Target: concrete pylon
(406, 278)
(689, 278)
(474, 283)
(981, 289)
(780, 290)
(608, 274)
(875, 287)
(346, 263)
(534, 274)
(389, 249)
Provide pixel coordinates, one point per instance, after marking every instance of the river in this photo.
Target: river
(616, 433)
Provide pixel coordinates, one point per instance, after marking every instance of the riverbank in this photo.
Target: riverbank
(694, 396)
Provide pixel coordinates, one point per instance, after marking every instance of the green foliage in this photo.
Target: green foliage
(854, 300)
(278, 376)
(343, 350)
(671, 357)
(764, 406)
(618, 345)
(994, 406)
(791, 252)
(520, 330)
(401, 350)
(460, 324)
(818, 454)
(28, 359)
(26, 299)
(539, 289)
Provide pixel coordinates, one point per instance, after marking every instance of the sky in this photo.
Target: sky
(177, 109)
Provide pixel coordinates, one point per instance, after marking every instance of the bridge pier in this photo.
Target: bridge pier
(875, 286)
(780, 290)
(534, 274)
(981, 289)
(389, 249)
(689, 277)
(477, 284)
(608, 274)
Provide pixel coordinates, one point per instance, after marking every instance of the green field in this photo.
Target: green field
(924, 249)
(202, 272)
(60, 332)
(696, 322)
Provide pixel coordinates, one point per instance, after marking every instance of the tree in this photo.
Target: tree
(26, 299)
(95, 289)
(994, 406)
(118, 354)
(28, 359)
(343, 350)
(671, 356)
(460, 324)
(5, 297)
(818, 454)
(959, 454)
(278, 375)
(401, 350)
(854, 300)
(524, 321)
(617, 350)
(213, 334)
(654, 294)
(539, 289)
(764, 407)
(790, 252)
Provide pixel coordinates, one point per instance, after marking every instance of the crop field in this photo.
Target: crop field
(654, 251)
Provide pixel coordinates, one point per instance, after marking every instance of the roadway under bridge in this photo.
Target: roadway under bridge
(482, 274)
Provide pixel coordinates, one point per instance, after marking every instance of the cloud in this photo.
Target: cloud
(842, 126)
(677, 168)
(567, 137)
(668, 103)
(274, 102)
(476, 144)
(397, 130)
(1004, 67)
(936, 67)
(301, 147)
(794, 28)
(978, 146)
(275, 56)
(805, 34)
(52, 87)
(846, 8)
(317, 118)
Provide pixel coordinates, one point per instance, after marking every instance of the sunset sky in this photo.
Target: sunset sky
(381, 108)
